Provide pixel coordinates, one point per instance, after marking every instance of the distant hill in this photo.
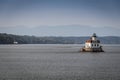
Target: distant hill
(10, 38)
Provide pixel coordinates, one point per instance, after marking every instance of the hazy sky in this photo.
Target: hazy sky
(54, 16)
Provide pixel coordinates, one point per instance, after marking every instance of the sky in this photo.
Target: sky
(60, 17)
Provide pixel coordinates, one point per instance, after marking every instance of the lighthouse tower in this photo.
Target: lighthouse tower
(94, 37)
(93, 44)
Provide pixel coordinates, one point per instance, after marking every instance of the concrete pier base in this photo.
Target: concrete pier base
(91, 50)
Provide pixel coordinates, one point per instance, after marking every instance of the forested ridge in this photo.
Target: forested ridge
(25, 39)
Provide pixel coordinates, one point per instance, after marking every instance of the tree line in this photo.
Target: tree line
(25, 39)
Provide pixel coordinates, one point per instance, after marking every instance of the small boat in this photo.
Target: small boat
(15, 42)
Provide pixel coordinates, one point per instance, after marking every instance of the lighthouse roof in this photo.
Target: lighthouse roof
(94, 35)
(91, 41)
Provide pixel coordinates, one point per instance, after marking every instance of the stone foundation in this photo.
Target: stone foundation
(92, 50)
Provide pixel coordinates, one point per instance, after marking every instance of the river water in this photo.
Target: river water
(58, 62)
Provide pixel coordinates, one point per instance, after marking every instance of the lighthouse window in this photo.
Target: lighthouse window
(95, 44)
(92, 44)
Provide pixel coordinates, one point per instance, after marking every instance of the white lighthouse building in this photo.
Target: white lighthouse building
(93, 44)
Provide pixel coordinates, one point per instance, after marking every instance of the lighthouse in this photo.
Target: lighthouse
(92, 45)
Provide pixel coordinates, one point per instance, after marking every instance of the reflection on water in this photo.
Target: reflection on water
(58, 62)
